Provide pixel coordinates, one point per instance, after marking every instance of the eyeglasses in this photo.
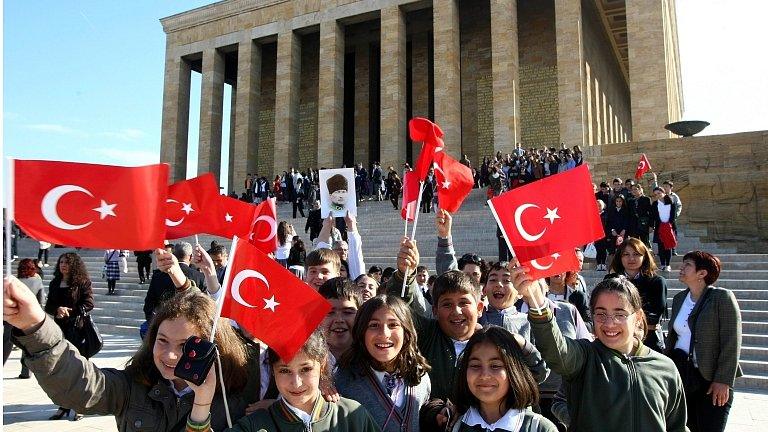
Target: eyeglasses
(618, 318)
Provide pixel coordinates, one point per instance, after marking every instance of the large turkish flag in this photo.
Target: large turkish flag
(233, 218)
(549, 215)
(269, 301)
(93, 206)
(557, 263)
(264, 228)
(454, 182)
(191, 206)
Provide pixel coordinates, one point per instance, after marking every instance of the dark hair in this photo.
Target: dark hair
(344, 264)
(454, 281)
(298, 244)
(625, 289)
(340, 288)
(523, 389)
(321, 256)
(705, 261)
(421, 268)
(648, 268)
(27, 268)
(78, 274)
(282, 232)
(617, 180)
(360, 277)
(431, 279)
(409, 361)
(315, 348)
(198, 309)
(374, 269)
(669, 182)
(217, 250)
(388, 272)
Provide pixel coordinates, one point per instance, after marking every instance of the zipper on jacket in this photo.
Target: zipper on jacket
(632, 391)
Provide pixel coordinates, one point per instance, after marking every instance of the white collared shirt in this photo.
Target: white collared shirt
(512, 420)
(398, 394)
(180, 393)
(304, 417)
(458, 347)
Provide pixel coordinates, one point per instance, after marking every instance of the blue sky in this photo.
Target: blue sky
(83, 80)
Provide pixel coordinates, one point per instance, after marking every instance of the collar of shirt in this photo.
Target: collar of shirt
(180, 393)
(511, 421)
(305, 418)
(508, 311)
(397, 393)
(458, 347)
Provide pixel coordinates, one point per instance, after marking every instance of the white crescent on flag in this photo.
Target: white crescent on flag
(51, 200)
(519, 224)
(240, 278)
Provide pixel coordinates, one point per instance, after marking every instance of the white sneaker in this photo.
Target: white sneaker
(46, 265)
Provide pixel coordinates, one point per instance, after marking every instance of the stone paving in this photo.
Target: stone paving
(27, 408)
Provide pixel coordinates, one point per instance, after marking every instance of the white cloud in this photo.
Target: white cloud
(127, 157)
(128, 134)
(57, 129)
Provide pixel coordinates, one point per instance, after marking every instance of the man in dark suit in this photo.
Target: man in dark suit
(162, 288)
(314, 221)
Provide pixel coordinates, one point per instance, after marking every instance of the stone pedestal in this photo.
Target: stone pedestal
(175, 133)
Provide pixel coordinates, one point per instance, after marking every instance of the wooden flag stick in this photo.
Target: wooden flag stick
(413, 232)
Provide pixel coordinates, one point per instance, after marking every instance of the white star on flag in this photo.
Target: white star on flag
(187, 208)
(106, 209)
(446, 184)
(228, 217)
(552, 215)
(555, 255)
(270, 303)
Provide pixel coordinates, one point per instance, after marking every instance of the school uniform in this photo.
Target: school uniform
(343, 416)
(394, 407)
(510, 319)
(512, 421)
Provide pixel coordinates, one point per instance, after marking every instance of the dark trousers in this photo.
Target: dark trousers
(601, 248)
(144, 270)
(665, 255)
(298, 205)
(394, 198)
(703, 416)
(504, 253)
(42, 253)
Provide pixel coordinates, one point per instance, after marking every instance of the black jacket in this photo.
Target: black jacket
(161, 288)
(653, 293)
(314, 223)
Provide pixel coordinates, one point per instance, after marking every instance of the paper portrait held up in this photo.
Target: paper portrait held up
(337, 192)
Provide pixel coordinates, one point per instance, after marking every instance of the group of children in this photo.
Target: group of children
(386, 359)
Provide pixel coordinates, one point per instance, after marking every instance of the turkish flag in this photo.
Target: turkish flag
(93, 206)
(454, 182)
(421, 129)
(557, 263)
(643, 166)
(411, 188)
(233, 218)
(191, 206)
(549, 215)
(269, 301)
(264, 227)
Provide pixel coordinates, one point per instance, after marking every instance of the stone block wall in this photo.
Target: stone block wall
(265, 154)
(722, 181)
(308, 100)
(476, 81)
(539, 120)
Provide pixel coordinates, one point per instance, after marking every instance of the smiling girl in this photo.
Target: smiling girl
(383, 369)
(496, 386)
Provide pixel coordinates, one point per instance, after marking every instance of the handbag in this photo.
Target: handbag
(197, 358)
(84, 335)
(590, 251)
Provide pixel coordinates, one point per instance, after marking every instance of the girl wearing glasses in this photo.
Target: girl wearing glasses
(641, 387)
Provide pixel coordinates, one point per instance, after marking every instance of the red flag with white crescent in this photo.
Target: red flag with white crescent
(557, 263)
(264, 227)
(422, 129)
(549, 215)
(191, 206)
(454, 182)
(233, 218)
(269, 301)
(643, 166)
(89, 205)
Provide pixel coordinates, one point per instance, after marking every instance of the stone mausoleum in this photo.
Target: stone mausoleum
(325, 83)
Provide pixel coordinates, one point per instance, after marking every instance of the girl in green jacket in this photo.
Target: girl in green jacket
(495, 386)
(300, 406)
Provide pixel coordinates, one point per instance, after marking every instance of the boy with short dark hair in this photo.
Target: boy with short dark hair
(337, 325)
(321, 265)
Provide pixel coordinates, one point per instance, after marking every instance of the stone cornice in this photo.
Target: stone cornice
(213, 12)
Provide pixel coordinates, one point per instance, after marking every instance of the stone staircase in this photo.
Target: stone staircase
(473, 231)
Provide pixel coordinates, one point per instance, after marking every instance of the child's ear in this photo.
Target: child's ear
(480, 308)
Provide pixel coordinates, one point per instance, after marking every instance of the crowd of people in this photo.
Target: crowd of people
(468, 346)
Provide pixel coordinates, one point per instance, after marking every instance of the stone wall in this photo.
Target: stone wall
(539, 124)
(265, 154)
(476, 81)
(722, 181)
(307, 121)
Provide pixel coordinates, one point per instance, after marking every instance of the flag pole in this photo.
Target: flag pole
(8, 217)
(506, 239)
(224, 288)
(413, 231)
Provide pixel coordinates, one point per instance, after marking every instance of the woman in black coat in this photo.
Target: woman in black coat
(617, 221)
(69, 295)
(663, 212)
(635, 261)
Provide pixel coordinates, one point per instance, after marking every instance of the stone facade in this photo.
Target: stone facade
(492, 73)
(722, 181)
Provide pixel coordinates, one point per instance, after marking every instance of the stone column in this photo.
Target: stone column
(330, 138)
(649, 71)
(420, 75)
(506, 105)
(393, 75)
(211, 111)
(447, 79)
(233, 155)
(246, 107)
(570, 82)
(287, 101)
(362, 101)
(175, 123)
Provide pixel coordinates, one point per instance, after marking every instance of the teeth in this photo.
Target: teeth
(389, 345)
